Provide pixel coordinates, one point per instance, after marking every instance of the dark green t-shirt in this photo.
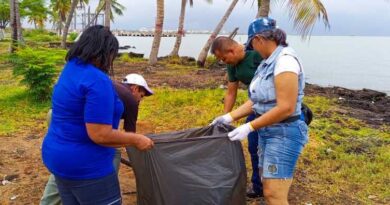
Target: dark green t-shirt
(244, 70)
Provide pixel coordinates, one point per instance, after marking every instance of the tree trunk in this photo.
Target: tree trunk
(18, 24)
(203, 54)
(180, 32)
(2, 33)
(14, 30)
(264, 8)
(157, 32)
(107, 14)
(67, 24)
(93, 20)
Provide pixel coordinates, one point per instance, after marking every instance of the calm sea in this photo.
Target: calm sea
(353, 62)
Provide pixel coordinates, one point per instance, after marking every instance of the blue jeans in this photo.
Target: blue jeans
(280, 145)
(101, 191)
(51, 196)
(253, 140)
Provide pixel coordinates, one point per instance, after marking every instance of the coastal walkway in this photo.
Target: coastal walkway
(143, 33)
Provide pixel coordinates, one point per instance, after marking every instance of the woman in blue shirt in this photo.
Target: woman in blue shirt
(79, 146)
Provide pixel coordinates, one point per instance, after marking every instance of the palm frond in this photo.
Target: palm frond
(305, 13)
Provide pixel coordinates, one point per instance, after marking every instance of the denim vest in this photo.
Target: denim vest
(262, 88)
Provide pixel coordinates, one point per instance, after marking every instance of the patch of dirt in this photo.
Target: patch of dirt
(160, 75)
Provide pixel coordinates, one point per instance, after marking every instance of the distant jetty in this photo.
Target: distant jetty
(143, 33)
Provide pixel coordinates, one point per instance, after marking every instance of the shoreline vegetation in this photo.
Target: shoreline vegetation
(345, 162)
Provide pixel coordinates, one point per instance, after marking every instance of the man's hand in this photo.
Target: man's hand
(223, 119)
(144, 143)
(240, 132)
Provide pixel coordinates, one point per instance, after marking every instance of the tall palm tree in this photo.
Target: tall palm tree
(157, 32)
(60, 8)
(203, 54)
(180, 32)
(67, 24)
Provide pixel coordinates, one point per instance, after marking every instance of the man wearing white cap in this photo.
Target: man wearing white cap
(131, 91)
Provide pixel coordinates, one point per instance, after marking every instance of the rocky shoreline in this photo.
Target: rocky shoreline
(368, 105)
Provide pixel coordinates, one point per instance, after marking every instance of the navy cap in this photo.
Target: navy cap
(257, 26)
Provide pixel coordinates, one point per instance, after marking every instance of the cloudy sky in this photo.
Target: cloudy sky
(347, 17)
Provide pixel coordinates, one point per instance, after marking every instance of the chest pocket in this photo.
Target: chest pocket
(262, 88)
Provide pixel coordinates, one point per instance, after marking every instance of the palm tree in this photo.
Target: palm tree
(305, 13)
(203, 54)
(4, 16)
(60, 8)
(67, 24)
(16, 27)
(35, 11)
(107, 13)
(116, 8)
(180, 32)
(157, 32)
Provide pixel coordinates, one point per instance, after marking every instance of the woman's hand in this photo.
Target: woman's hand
(144, 143)
(223, 119)
(240, 132)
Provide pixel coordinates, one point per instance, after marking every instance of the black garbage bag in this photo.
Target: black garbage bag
(195, 166)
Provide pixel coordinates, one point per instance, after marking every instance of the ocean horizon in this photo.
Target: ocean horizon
(353, 62)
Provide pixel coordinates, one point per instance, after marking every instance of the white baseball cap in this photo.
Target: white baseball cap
(137, 79)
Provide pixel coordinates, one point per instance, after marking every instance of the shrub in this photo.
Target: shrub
(72, 36)
(40, 35)
(38, 70)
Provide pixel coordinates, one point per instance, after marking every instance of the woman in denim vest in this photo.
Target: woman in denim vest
(276, 94)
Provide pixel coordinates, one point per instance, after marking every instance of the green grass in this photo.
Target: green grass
(127, 59)
(343, 157)
(19, 113)
(176, 109)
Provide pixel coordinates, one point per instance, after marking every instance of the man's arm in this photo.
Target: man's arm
(230, 96)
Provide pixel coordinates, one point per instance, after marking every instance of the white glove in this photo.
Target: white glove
(223, 119)
(240, 132)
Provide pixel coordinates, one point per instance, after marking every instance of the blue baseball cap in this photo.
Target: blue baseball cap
(257, 26)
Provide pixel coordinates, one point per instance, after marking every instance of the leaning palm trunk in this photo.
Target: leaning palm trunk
(107, 13)
(93, 20)
(264, 8)
(157, 32)
(180, 33)
(67, 24)
(203, 54)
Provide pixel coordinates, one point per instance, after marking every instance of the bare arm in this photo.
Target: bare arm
(230, 96)
(286, 88)
(104, 135)
(242, 111)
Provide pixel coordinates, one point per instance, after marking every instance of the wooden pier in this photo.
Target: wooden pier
(143, 33)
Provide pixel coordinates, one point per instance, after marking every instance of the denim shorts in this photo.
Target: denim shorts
(279, 148)
(101, 191)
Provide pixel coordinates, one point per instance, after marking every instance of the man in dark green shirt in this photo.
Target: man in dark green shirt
(242, 66)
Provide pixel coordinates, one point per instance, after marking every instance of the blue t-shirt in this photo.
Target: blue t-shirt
(83, 94)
